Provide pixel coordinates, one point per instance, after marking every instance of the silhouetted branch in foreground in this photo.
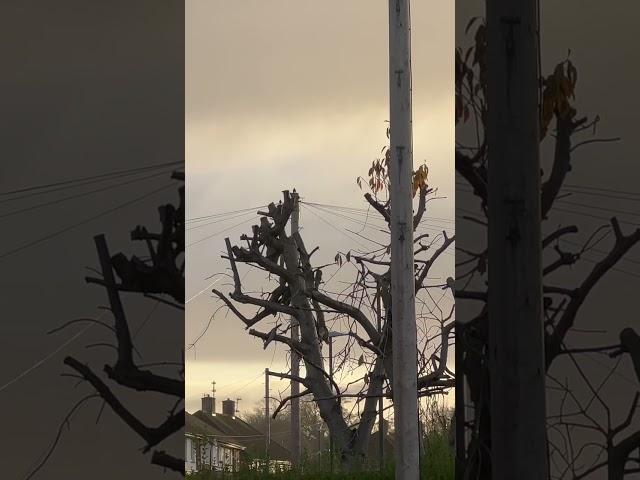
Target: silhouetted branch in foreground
(162, 274)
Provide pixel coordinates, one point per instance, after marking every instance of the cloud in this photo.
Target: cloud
(256, 56)
(291, 94)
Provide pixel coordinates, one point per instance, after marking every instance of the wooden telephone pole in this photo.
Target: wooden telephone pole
(296, 444)
(405, 391)
(516, 342)
(267, 416)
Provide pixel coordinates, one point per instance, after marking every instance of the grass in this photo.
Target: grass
(437, 464)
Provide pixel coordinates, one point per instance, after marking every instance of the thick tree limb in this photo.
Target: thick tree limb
(622, 246)
(466, 167)
(381, 209)
(285, 400)
(151, 435)
(163, 459)
(429, 263)
(427, 380)
(422, 205)
(347, 309)
(268, 337)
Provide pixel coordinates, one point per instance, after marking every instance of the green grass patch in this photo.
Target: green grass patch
(437, 463)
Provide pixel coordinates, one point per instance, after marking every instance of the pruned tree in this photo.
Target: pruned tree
(161, 274)
(562, 305)
(297, 289)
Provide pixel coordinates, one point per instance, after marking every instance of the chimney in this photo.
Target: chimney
(229, 407)
(208, 404)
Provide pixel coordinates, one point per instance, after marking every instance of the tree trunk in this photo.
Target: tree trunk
(351, 443)
(317, 382)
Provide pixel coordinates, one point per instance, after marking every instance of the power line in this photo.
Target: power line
(204, 290)
(92, 177)
(584, 214)
(615, 269)
(363, 223)
(146, 320)
(215, 215)
(79, 195)
(469, 212)
(595, 207)
(240, 389)
(603, 195)
(193, 344)
(49, 356)
(368, 211)
(601, 252)
(334, 227)
(217, 221)
(585, 190)
(600, 189)
(226, 385)
(587, 259)
(83, 222)
(615, 372)
(221, 231)
(591, 215)
(368, 224)
(75, 185)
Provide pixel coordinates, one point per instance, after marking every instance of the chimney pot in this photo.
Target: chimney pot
(229, 407)
(209, 404)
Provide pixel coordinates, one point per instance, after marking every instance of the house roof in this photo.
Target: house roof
(238, 431)
(195, 426)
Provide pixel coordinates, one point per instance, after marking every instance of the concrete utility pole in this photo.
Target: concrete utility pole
(266, 413)
(296, 445)
(405, 391)
(516, 358)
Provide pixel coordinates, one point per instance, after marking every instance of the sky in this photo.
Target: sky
(293, 94)
(87, 88)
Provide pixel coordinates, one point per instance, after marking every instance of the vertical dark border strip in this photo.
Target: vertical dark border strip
(92, 146)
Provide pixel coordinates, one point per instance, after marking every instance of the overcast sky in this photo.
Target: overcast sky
(293, 94)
